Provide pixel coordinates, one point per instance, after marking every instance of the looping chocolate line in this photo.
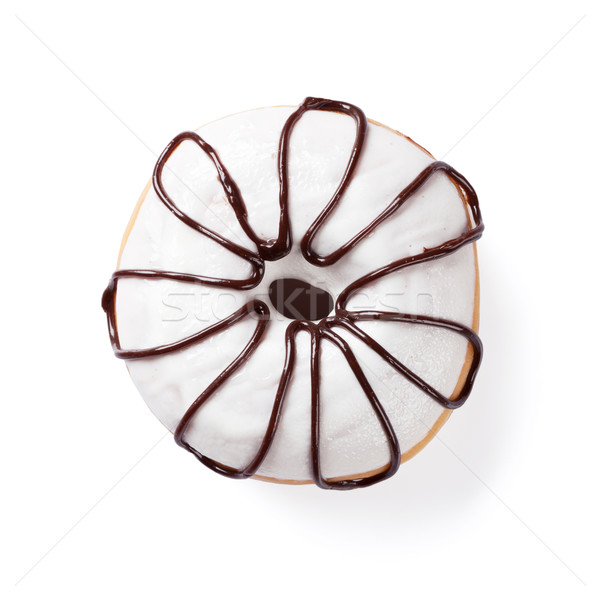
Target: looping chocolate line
(347, 321)
(445, 249)
(343, 318)
(267, 249)
(321, 104)
(108, 304)
(262, 311)
(323, 332)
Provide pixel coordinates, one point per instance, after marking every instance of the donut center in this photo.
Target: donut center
(297, 299)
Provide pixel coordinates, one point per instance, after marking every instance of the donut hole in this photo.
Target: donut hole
(297, 299)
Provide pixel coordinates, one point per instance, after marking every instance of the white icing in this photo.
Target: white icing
(231, 425)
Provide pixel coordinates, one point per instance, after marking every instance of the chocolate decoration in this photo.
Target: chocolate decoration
(319, 331)
(296, 299)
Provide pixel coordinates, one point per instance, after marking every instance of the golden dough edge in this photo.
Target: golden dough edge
(441, 420)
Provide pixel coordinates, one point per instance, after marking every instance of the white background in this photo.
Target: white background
(98, 502)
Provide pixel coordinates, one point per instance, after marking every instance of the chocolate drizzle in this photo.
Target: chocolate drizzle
(269, 250)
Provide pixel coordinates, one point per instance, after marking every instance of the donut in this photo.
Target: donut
(297, 295)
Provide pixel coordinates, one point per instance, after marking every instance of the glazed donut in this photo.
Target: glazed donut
(297, 295)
